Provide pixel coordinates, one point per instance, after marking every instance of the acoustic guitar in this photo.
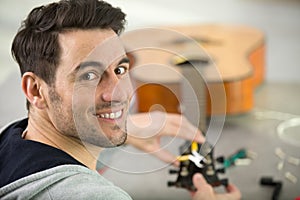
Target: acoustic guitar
(232, 60)
(222, 65)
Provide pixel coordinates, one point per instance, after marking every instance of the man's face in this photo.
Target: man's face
(92, 88)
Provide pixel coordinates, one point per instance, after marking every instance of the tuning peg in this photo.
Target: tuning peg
(171, 183)
(221, 170)
(224, 181)
(173, 171)
(220, 159)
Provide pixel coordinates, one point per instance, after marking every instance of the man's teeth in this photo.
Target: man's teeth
(114, 115)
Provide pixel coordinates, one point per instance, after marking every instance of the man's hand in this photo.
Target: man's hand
(146, 129)
(206, 191)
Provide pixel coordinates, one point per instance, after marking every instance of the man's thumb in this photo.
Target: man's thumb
(199, 181)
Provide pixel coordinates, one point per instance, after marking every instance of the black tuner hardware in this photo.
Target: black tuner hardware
(191, 162)
(270, 182)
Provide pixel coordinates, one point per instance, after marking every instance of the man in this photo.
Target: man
(75, 78)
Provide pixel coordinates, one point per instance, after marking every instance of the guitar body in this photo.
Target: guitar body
(237, 51)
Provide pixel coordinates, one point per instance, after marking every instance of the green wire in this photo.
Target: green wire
(230, 161)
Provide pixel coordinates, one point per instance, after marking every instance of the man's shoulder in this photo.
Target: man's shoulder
(21, 158)
(84, 183)
(65, 182)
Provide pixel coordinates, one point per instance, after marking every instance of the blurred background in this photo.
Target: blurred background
(277, 19)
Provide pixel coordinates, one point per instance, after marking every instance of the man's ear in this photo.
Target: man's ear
(33, 90)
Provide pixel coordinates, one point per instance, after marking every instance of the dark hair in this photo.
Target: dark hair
(36, 47)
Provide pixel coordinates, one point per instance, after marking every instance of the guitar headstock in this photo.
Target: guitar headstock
(191, 162)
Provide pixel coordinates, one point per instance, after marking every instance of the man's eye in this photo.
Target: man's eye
(89, 76)
(120, 70)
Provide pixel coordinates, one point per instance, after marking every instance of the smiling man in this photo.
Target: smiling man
(75, 78)
(99, 88)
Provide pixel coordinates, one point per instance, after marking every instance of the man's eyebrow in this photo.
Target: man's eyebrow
(124, 60)
(83, 65)
(97, 64)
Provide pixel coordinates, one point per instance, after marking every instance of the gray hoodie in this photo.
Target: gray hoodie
(63, 182)
(60, 181)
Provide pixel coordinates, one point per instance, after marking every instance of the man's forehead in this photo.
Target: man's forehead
(86, 39)
(107, 51)
(100, 45)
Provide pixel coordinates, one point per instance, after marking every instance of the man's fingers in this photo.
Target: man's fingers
(178, 125)
(233, 191)
(167, 157)
(200, 182)
(204, 191)
(231, 188)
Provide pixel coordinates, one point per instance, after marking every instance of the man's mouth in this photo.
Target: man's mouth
(111, 115)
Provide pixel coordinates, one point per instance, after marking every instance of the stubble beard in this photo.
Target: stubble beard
(73, 123)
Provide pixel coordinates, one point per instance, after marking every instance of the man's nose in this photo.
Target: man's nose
(112, 89)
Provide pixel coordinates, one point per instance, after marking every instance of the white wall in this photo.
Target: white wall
(279, 19)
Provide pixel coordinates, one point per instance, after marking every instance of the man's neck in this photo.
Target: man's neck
(43, 131)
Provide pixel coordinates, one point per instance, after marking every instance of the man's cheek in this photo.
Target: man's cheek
(83, 106)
